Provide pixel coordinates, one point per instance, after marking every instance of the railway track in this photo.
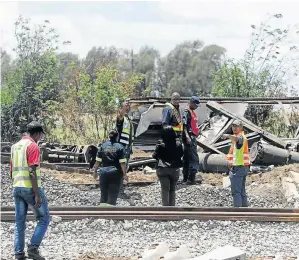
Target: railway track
(166, 213)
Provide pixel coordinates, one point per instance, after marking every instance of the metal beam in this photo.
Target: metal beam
(214, 106)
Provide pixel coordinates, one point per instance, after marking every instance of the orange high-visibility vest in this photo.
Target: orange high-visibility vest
(239, 157)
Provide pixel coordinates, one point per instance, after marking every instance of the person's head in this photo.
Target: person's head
(113, 135)
(194, 102)
(127, 106)
(35, 130)
(175, 98)
(237, 126)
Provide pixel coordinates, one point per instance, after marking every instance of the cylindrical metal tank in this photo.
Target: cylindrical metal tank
(265, 154)
(215, 163)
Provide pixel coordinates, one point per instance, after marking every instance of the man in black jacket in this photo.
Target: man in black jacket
(168, 153)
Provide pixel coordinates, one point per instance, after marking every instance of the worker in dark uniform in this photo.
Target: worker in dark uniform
(190, 133)
(171, 116)
(113, 169)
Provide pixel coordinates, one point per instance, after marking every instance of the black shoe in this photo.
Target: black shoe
(21, 257)
(33, 253)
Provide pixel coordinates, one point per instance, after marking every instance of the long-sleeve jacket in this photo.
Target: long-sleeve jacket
(168, 155)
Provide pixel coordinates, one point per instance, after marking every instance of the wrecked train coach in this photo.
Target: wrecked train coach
(215, 116)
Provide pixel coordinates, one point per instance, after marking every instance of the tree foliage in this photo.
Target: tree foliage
(268, 64)
(189, 68)
(31, 87)
(103, 96)
(77, 99)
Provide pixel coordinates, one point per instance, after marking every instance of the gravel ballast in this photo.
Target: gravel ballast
(63, 193)
(108, 238)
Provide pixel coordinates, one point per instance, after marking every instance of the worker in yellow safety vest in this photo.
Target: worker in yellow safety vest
(125, 129)
(239, 163)
(171, 115)
(27, 191)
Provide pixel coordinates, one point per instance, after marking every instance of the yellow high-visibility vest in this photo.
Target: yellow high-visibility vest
(179, 126)
(20, 169)
(126, 132)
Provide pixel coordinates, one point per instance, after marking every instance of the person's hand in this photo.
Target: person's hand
(126, 179)
(38, 201)
(225, 136)
(95, 174)
(126, 107)
(188, 140)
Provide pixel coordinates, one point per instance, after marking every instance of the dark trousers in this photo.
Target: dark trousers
(168, 178)
(127, 155)
(190, 160)
(110, 185)
(238, 176)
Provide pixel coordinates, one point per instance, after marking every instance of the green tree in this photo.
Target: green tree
(103, 96)
(30, 91)
(188, 69)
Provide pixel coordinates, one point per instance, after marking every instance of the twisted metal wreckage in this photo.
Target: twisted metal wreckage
(215, 116)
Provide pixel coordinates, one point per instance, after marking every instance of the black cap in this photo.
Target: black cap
(35, 126)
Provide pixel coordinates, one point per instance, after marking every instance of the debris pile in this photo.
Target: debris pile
(265, 148)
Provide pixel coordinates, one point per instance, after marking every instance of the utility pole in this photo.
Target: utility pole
(132, 60)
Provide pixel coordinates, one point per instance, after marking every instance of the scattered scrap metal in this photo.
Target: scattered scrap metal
(215, 117)
(265, 148)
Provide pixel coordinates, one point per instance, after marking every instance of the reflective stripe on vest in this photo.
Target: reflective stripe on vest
(194, 124)
(179, 126)
(127, 130)
(20, 169)
(239, 157)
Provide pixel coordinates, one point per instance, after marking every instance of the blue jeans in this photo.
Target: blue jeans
(24, 197)
(238, 176)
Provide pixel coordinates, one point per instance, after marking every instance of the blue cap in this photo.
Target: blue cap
(195, 99)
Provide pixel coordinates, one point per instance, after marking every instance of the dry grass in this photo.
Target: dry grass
(79, 178)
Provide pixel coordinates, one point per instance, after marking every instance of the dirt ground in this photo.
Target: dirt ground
(261, 183)
(271, 177)
(139, 153)
(79, 178)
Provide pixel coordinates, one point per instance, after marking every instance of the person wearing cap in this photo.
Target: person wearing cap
(171, 115)
(239, 163)
(111, 157)
(190, 133)
(27, 191)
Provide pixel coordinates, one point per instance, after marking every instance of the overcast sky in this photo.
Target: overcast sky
(159, 24)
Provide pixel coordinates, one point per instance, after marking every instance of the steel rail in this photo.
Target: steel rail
(166, 213)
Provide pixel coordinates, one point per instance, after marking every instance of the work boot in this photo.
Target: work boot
(33, 253)
(21, 257)
(191, 180)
